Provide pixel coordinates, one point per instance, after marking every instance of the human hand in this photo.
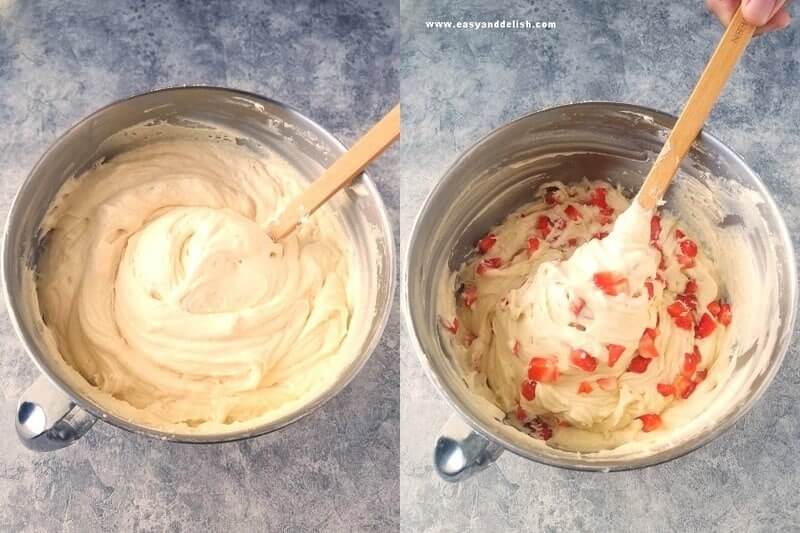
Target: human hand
(768, 15)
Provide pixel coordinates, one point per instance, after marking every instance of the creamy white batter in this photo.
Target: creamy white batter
(587, 337)
(160, 286)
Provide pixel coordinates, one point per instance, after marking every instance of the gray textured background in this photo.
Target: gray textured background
(335, 470)
(459, 85)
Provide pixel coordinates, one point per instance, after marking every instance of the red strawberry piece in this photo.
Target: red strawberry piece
(650, 289)
(572, 242)
(615, 351)
(650, 422)
(610, 283)
(585, 387)
(689, 300)
(701, 375)
(684, 321)
(655, 227)
(572, 212)
(544, 369)
(560, 223)
(690, 362)
(684, 387)
(607, 384)
(714, 308)
(691, 287)
(452, 327)
(522, 416)
(540, 429)
(469, 338)
(485, 244)
(598, 197)
(679, 234)
(533, 245)
(544, 225)
(676, 309)
(577, 305)
(689, 248)
(639, 364)
(528, 390)
(600, 235)
(665, 389)
(705, 327)
(517, 348)
(725, 315)
(550, 196)
(488, 264)
(607, 212)
(469, 295)
(583, 360)
(685, 261)
(647, 344)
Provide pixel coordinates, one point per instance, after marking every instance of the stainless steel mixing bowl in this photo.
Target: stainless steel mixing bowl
(51, 414)
(500, 173)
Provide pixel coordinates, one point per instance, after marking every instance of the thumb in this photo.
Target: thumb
(758, 12)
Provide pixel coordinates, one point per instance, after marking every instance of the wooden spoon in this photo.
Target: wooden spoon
(339, 174)
(696, 110)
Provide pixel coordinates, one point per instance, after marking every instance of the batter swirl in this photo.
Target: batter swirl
(163, 290)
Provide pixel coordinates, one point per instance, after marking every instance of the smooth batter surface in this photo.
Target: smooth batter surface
(162, 289)
(587, 336)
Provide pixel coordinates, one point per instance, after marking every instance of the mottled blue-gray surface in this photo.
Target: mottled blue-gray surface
(457, 86)
(335, 470)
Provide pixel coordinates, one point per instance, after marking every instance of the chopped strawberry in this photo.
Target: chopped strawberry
(676, 309)
(689, 300)
(665, 389)
(684, 321)
(689, 248)
(517, 348)
(684, 387)
(585, 387)
(685, 261)
(725, 315)
(540, 429)
(679, 234)
(610, 283)
(572, 242)
(469, 338)
(488, 264)
(583, 360)
(469, 295)
(572, 212)
(600, 235)
(701, 375)
(544, 225)
(691, 287)
(533, 245)
(705, 327)
(452, 327)
(714, 308)
(550, 196)
(647, 344)
(690, 362)
(598, 197)
(485, 244)
(577, 305)
(522, 416)
(607, 384)
(615, 351)
(544, 369)
(655, 227)
(639, 364)
(650, 422)
(650, 289)
(528, 390)
(560, 223)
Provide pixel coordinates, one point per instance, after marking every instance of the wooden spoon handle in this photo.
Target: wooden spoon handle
(696, 110)
(339, 174)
